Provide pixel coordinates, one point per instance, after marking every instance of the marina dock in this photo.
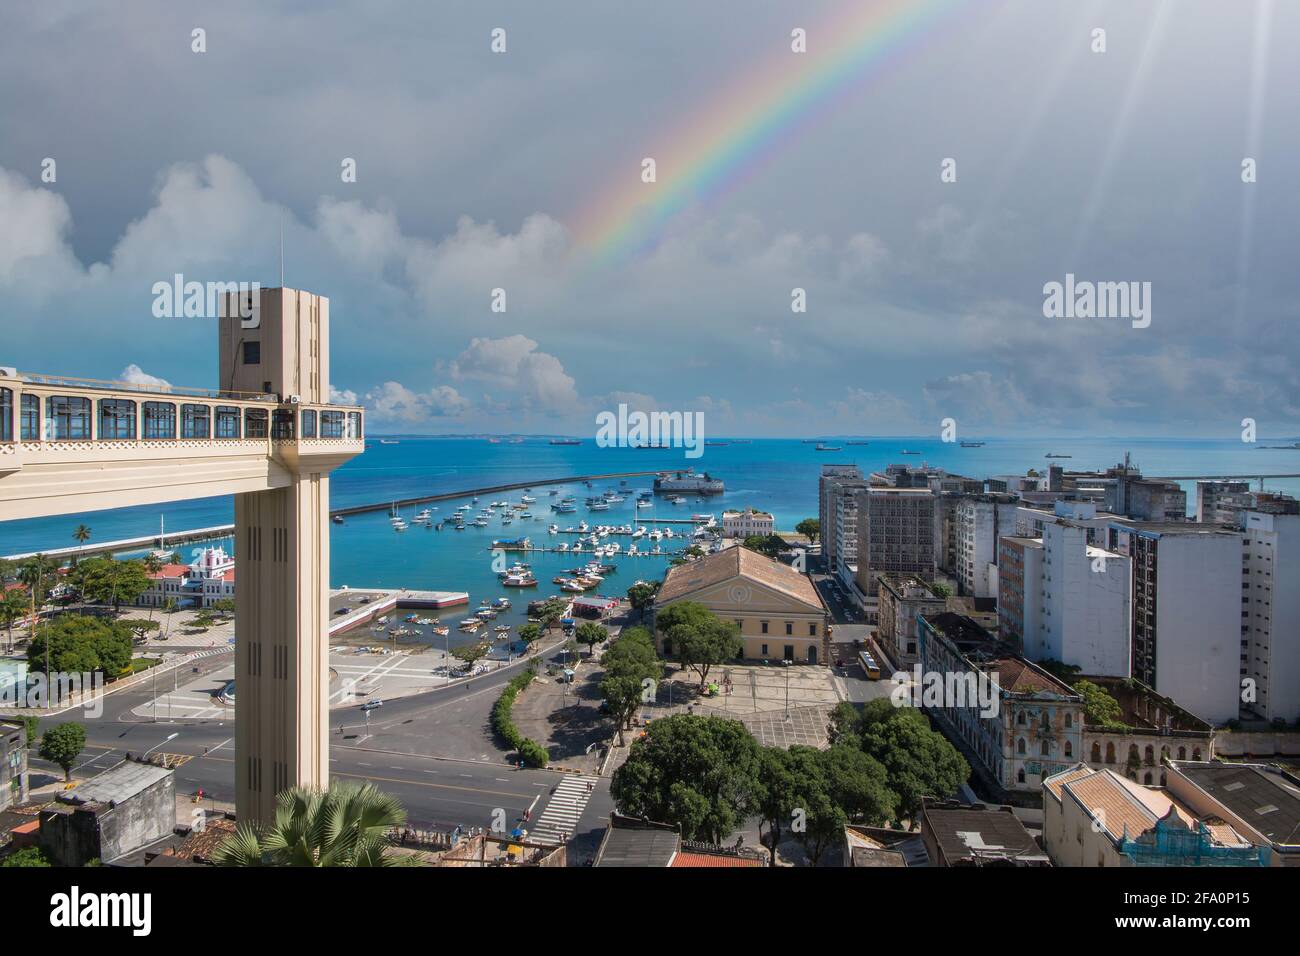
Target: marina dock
(226, 530)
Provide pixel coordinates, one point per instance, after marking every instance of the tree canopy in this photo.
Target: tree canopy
(698, 772)
(917, 760)
(80, 644)
(699, 638)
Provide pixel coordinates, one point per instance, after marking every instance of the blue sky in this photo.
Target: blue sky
(925, 298)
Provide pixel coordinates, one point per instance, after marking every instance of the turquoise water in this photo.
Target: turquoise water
(779, 476)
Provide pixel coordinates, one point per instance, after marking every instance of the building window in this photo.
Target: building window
(31, 418)
(1069, 749)
(282, 423)
(331, 424)
(1046, 749)
(194, 421)
(255, 423)
(69, 417)
(1069, 720)
(764, 650)
(1020, 745)
(252, 353)
(354, 425)
(764, 623)
(1020, 775)
(1020, 718)
(227, 421)
(812, 630)
(116, 419)
(159, 420)
(308, 423)
(789, 628)
(6, 414)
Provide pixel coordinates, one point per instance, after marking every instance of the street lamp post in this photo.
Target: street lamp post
(787, 664)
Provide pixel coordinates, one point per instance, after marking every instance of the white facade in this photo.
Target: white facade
(1086, 603)
(980, 522)
(1270, 633)
(1187, 607)
(742, 524)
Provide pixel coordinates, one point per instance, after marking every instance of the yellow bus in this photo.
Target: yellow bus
(869, 665)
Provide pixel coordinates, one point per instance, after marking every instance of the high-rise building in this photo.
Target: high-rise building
(837, 511)
(1187, 612)
(1208, 494)
(1065, 599)
(895, 533)
(980, 521)
(1270, 623)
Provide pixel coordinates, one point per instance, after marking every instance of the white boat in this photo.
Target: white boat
(554, 529)
(528, 499)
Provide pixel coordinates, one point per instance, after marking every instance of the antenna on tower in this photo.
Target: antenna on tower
(282, 250)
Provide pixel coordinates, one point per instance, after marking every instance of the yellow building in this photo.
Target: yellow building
(780, 614)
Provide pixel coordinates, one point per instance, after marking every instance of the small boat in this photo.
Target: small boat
(527, 499)
(1058, 456)
(388, 441)
(442, 630)
(502, 628)
(972, 444)
(906, 452)
(520, 581)
(645, 503)
(821, 447)
(337, 519)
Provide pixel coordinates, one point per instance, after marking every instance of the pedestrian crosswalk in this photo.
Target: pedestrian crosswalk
(559, 820)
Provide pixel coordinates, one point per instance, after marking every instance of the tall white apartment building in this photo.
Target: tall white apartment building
(1270, 621)
(1066, 599)
(838, 513)
(980, 521)
(1188, 603)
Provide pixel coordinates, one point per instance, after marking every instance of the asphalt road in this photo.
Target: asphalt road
(434, 751)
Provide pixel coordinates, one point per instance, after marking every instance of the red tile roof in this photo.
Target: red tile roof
(172, 571)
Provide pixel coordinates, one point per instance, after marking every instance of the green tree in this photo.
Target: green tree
(810, 528)
(776, 796)
(1100, 709)
(62, 744)
(14, 605)
(770, 545)
(529, 634)
(642, 595)
(79, 643)
(347, 825)
(28, 856)
(940, 589)
(31, 729)
(591, 635)
(918, 761)
(471, 653)
(82, 535)
(107, 581)
(699, 638)
(225, 607)
(818, 819)
(630, 662)
(698, 772)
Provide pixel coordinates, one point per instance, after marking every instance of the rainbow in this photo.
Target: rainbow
(736, 132)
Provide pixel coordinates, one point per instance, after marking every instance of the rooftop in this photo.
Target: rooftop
(1264, 797)
(975, 834)
(685, 579)
(116, 784)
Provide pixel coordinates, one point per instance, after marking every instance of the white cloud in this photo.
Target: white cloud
(514, 362)
(134, 375)
(393, 402)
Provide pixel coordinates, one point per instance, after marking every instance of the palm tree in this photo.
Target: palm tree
(152, 565)
(346, 825)
(82, 534)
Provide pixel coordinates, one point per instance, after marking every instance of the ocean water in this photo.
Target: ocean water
(779, 476)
